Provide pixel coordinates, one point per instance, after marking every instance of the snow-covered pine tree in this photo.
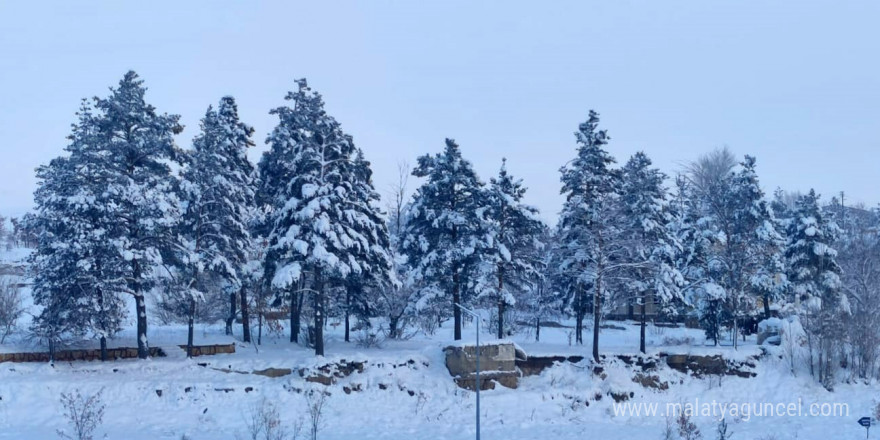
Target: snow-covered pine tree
(694, 233)
(742, 255)
(782, 205)
(542, 302)
(691, 234)
(54, 288)
(77, 274)
(447, 237)
(588, 235)
(374, 255)
(815, 281)
(652, 247)
(754, 246)
(138, 150)
(275, 170)
(516, 230)
(327, 229)
(218, 188)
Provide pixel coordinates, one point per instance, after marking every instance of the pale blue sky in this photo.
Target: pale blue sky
(794, 83)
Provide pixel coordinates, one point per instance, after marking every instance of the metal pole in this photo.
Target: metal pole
(478, 377)
(477, 319)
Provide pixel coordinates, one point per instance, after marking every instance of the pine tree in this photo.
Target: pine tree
(543, 301)
(743, 251)
(691, 232)
(77, 271)
(587, 232)
(275, 170)
(447, 237)
(219, 191)
(138, 151)
(652, 246)
(516, 228)
(815, 280)
(375, 253)
(327, 231)
(754, 246)
(695, 233)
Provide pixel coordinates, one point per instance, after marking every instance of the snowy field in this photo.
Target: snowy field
(546, 406)
(213, 397)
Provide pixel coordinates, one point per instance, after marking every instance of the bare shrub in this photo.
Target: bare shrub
(367, 338)
(84, 414)
(316, 402)
(722, 430)
(11, 308)
(668, 432)
(681, 340)
(422, 400)
(428, 322)
(264, 423)
(687, 429)
(715, 380)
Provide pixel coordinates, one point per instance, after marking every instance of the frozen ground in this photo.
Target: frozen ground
(546, 406)
(413, 401)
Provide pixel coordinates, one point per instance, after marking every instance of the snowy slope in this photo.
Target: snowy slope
(401, 400)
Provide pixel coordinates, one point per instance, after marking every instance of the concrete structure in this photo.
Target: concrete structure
(497, 365)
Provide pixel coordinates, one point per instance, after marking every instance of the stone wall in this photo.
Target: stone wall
(208, 350)
(112, 353)
(78, 355)
(497, 364)
(699, 366)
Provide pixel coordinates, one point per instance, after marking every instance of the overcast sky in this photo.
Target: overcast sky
(796, 84)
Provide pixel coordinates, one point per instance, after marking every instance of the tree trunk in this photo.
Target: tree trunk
(766, 307)
(293, 335)
(231, 319)
(260, 327)
(735, 323)
(392, 327)
(141, 312)
(51, 341)
(501, 319)
(538, 330)
(716, 327)
(245, 319)
(597, 307)
(319, 320)
(578, 315)
(644, 318)
(297, 317)
(500, 301)
(189, 327)
(456, 303)
(347, 315)
(103, 323)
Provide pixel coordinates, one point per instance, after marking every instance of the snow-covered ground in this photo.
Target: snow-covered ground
(194, 400)
(211, 397)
